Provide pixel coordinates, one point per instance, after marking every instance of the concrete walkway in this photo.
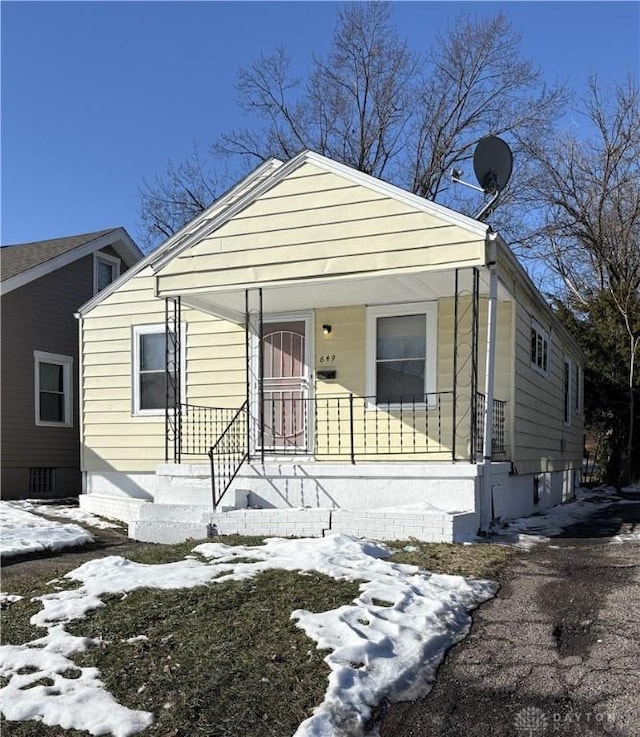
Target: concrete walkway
(557, 652)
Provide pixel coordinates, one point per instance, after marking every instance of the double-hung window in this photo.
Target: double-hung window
(53, 389)
(540, 349)
(401, 354)
(149, 370)
(106, 269)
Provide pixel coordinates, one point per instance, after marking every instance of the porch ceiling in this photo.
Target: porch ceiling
(339, 292)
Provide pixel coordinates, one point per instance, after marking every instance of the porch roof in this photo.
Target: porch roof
(343, 291)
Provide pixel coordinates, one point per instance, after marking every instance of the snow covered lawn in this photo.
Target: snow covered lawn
(23, 532)
(385, 643)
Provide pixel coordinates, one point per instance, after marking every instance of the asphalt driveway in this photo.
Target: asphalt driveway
(557, 652)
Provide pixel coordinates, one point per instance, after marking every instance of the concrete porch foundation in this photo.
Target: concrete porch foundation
(428, 526)
(432, 502)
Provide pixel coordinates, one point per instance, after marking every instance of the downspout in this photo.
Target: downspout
(487, 443)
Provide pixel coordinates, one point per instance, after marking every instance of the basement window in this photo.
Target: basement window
(42, 481)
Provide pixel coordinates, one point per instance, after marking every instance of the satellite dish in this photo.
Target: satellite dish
(492, 164)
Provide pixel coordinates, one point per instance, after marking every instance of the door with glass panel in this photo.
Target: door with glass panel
(285, 386)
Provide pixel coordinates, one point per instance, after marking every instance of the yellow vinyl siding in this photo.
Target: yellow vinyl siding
(293, 233)
(542, 440)
(114, 439)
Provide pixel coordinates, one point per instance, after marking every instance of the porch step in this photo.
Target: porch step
(156, 531)
(190, 483)
(121, 508)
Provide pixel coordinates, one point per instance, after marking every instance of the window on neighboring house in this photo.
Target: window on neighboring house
(106, 269)
(566, 391)
(540, 349)
(577, 399)
(149, 375)
(401, 347)
(53, 389)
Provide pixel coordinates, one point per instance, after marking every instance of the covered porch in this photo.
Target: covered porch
(317, 376)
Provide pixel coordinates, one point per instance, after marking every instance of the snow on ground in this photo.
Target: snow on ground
(66, 511)
(526, 532)
(6, 600)
(22, 532)
(388, 642)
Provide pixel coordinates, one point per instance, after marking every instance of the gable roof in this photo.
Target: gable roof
(22, 256)
(335, 167)
(23, 262)
(256, 183)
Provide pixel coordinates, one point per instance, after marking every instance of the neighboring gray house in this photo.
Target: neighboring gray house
(42, 284)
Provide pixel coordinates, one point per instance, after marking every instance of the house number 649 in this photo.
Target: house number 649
(328, 358)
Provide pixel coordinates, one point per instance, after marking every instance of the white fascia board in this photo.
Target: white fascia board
(128, 251)
(222, 312)
(192, 233)
(57, 262)
(519, 273)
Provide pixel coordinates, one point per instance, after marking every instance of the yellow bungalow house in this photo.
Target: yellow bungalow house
(323, 351)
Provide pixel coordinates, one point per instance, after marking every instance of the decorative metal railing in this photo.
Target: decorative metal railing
(349, 427)
(355, 427)
(228, 454)
(202, 426)
(499, 414)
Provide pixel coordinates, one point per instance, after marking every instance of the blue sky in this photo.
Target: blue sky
(97, 96)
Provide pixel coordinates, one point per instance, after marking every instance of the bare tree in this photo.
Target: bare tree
(589, 194)
(477, 83)
(353, 108)
(377, 106)
(166, 204)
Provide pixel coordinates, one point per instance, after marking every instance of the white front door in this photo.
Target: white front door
(286, 386)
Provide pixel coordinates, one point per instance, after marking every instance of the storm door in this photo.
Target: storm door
(285, 387)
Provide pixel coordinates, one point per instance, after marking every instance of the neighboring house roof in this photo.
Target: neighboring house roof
(23, 262)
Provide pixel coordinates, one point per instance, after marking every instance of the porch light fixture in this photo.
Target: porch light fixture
(326, 329)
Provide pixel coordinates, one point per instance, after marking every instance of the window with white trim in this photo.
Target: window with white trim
(53, 389)
(401, 354)
(148, 367)
(566, 391)
(106, 269)
(540, 349)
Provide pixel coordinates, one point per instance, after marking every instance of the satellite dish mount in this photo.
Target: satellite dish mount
(492, 164)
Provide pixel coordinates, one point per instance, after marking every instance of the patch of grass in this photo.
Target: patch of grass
(220, 660)
(154, 554)
(223, 659)
(481, 560)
